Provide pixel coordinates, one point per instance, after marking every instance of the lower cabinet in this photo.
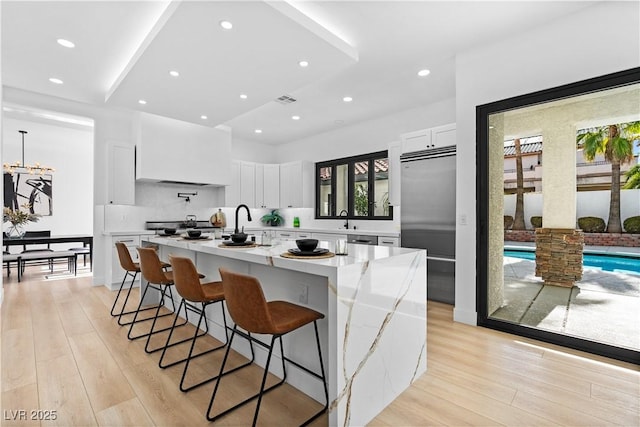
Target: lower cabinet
(304, 235)
(115, 273)
(329, 237)
(286, 235)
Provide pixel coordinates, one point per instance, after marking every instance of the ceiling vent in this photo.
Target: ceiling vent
(285, 99)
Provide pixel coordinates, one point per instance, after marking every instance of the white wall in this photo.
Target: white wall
(252, 151)
(70, 152)
(563, 51)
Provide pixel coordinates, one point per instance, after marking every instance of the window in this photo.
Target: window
(354, 187)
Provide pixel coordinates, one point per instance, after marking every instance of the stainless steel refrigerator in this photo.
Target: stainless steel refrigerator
(428, 215)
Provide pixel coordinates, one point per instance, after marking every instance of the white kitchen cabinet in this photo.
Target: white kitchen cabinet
(329, 237)
(170, 150)
(304, 235)
(427, 139)
(122, 180)
(416, 141)
(389, 241)
(394, 173)
(296, 185)
(267, 188)
(248, 184)
(286, 235)
(115, 273)
(444, 136)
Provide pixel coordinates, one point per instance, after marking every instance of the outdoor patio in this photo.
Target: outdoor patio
(604, 306)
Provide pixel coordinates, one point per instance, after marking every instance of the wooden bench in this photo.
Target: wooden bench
(45, 255)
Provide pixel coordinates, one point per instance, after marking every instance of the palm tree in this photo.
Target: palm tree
(615, 142)
(518, 218)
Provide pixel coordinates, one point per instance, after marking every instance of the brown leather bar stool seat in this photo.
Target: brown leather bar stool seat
(131, 269)
(196, 297)
(250, 311)
(162, 281)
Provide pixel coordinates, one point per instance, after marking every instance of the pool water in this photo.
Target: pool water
(605, 262)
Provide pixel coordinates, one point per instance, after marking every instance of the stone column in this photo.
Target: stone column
(558, 244)
(559, 256)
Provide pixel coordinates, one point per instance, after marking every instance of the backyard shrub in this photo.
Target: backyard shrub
(591, 224)
(536, 221)
(508, 222)
(632, 224)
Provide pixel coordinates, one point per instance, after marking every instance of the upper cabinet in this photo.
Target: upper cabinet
(176, 151)
(296, 185)
(255, 184)
(267, 186)
(121, 183)
(426, 139)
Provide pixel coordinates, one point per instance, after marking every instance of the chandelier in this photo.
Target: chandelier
(37, 168)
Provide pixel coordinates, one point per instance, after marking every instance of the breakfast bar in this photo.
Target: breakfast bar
(373, 336)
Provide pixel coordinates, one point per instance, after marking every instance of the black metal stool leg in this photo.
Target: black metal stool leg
(170, 328)
(249, 399)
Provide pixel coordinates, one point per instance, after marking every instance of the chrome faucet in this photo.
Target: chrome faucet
(236, 231)
(346, 221)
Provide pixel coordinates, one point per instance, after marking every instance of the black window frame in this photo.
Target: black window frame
(350, 162)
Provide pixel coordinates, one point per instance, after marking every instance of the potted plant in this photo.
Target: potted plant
(18, 218)
(274, 218)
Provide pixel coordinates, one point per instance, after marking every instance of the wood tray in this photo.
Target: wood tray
(292, 256)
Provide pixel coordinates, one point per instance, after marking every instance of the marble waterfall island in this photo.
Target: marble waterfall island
(373, 335)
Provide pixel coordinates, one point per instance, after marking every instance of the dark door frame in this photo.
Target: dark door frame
(609, 81)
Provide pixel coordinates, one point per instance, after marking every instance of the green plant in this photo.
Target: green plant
(632, 224)
(273, 218)
(361, 200)
(20, 217)
(508, 222)
(591, 224)
(536, 221)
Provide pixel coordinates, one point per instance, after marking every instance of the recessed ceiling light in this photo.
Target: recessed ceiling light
(142, 101)
(66, 43)
(258, 131)
(303, 64)
(243, 96)
(203, 117)
(347, 99)
(295, 117)
(56, 81)
(226, 25)
(174, 73)
(424, 73)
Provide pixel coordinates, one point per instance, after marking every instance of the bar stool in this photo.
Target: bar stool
(250, 311)
(131, 269)
(159, 279)
(196, 297)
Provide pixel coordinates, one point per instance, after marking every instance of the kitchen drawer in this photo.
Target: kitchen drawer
(286, 235)
(303, 235)
(389, 241)
(329, 237)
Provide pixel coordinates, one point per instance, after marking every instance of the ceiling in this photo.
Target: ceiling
(368, 50)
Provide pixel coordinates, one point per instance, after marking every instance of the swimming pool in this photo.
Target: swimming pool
(618, 263)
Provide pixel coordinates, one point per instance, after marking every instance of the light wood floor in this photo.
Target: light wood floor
(61, 351)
